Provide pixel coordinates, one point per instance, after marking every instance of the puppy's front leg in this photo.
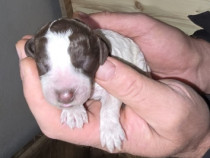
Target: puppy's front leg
(111, 132)
(74, 116)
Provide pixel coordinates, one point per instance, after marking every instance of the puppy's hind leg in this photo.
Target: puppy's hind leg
(111, 131)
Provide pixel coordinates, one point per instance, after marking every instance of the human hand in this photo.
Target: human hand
(156, 118)
(168, 51)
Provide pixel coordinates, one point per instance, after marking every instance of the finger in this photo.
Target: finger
(20, 46)
(32, 87)
(130, 25)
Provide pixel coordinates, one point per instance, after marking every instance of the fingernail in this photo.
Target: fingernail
(27, 37)
(106, 71)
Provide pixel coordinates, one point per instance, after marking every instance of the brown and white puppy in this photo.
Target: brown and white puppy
(68, 54)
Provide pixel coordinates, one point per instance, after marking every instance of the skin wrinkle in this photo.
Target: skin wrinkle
(203, 70)
(165, 137)
(129, 124)
(176, 87)
(193, 67)
(187, 95)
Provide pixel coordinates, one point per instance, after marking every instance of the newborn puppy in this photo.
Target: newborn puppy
(68, 54)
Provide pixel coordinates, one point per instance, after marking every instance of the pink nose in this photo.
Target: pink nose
(65, 97)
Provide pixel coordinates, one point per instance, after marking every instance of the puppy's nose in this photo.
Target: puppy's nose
(65, 97)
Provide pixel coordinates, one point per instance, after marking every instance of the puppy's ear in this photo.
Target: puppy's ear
(104, 50)
(30, 48)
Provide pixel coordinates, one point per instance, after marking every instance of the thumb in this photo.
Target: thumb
(122, 81)
(146, 97)
(153, 101)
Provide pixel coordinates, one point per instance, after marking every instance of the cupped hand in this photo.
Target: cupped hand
(169, 52)
(162, 118)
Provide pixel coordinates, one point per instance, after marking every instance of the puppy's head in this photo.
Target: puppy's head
(68, 54)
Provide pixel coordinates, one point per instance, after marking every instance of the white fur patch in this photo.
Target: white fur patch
(57, 48)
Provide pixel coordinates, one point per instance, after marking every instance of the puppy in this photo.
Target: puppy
(68, 54)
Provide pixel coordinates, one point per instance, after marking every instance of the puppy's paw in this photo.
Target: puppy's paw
(74, 117)
(112, 136)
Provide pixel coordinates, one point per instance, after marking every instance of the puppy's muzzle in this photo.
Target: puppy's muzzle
(65, 97)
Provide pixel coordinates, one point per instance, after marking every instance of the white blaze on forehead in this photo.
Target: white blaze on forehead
(62, 74)
(57, 49)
